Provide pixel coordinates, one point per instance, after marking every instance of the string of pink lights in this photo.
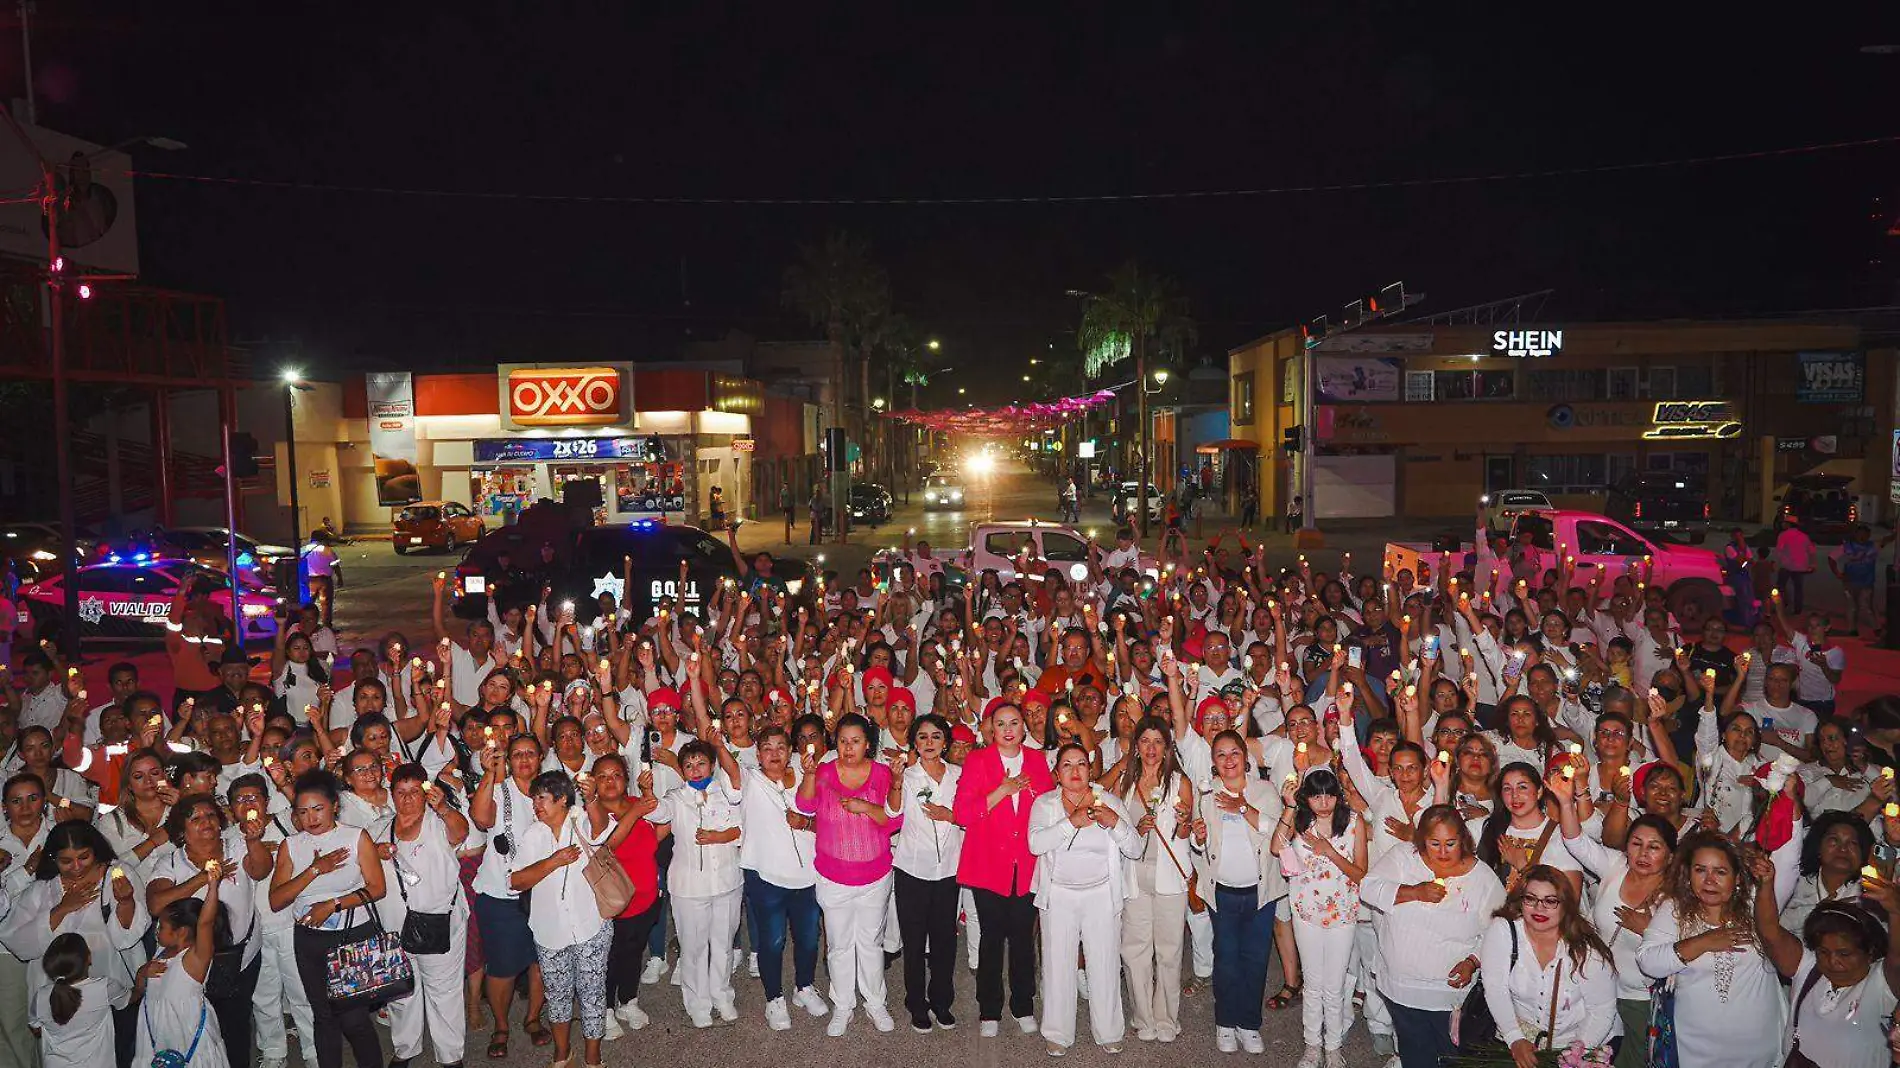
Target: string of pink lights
(1008, 421)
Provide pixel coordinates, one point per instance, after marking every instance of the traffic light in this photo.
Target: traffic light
(243, 455)
(1294, 442)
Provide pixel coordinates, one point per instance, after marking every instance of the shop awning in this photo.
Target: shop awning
(1227, 444)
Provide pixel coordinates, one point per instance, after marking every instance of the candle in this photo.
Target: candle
(1444, 756)
(1292, 780)
(1300, 749)
(428, 786)
(1886, 773)
(1892, 811)
(1570, 771)
(1623, 772)
(1439, 882)
(211, 868)
(1870, 872)
(119, 873)
(811, 750)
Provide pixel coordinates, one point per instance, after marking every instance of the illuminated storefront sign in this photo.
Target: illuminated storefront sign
(1528, 343)
(564, 396)
(1693, 421)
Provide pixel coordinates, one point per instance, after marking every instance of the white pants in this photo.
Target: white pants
(854, 941)
(1201, 934)
(706, 926)
(18, 1047)
(1325, 953)
(972, 931)
(893, 932)
(1151, 954)
(439, 1000)
(279, 990)
(1366, 964)
(1084, 919)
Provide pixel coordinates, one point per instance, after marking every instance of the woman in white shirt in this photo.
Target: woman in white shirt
(1081, 834)
(296, 673)
(1435, 901)
(1322, 848)
(366, 800)
(1150, 783)
(420, 858)
(1630, 883)
(329, 876)
(501, 808)
(781, 894)
(1548, 978)
(1833, 852)
(570, 937)
(1728, 1007)
(704, 880)
(1233, 824)
(1728, 755)
(925, 857)
(136, 828)
(1838, 778)
(1842, 1002)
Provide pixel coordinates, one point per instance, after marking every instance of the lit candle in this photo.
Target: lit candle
(1300, 749)
(1444, 756)
(118, 874)
(1870, 872)
(1886, 773)
(1892, 811)
(1439, 882)
(1623, 772)
(250, 815)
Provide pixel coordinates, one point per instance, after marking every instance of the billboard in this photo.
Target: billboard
(392, 437)
(1831, 378)
(534, 396)
(98, 230)
(1358, 378)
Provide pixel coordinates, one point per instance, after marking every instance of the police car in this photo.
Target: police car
(131, 601)
(592, 561)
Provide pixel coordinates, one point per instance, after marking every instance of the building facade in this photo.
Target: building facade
(1418, 421)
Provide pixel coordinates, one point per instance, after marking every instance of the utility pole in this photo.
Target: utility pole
(290, 457)
(1141, 409)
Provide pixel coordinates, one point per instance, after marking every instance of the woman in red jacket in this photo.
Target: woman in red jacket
(998, 785)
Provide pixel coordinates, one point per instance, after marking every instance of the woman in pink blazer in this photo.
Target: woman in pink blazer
(998, 786)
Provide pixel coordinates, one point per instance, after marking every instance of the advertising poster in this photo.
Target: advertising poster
(1358, 378)
(1831, 378)
(392, 437)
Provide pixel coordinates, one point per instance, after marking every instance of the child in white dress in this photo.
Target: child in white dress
(73, 1017)
(175, 1017)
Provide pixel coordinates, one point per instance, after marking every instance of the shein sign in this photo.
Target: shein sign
(1528, 342)
(1693, 420)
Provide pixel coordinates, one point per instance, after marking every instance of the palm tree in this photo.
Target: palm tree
(1139, 311)
(839, 286)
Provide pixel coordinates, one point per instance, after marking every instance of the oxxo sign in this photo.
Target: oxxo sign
(564, 396)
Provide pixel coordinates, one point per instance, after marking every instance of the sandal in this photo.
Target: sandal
(538, 1032)
(498, 1045)
(1288, 993)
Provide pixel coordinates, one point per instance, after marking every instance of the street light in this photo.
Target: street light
(961, 391)
(1161, 377)
(877, 403)
(293, 381)
(933, 344)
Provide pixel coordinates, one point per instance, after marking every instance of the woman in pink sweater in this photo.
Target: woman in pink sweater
(998, 785)
(845, 799)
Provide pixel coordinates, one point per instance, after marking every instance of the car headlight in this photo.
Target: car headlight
(43, 556)
(957, 496)
(252, 611)
(930, 498)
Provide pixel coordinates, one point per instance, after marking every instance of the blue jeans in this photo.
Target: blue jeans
(771, 910)
(1424, 1035)
(663, 859)
(1243, 939)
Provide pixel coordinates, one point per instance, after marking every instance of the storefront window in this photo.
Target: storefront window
(1469, 385)
(1564, 385)
(1243, 399)
(649, 488)
(1568, 474)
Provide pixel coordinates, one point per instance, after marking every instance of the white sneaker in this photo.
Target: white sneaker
(632, 1016)
(738, 958)
(1250, 1041)
(1309, 1059)
(1145, 1034)
(1166, 1034)
(777, 1017)
(1058, 1051)
(1225, 1041)
(727, 1009)
(1082, 985)
(840, 1020)
(1027, 1023)
(655, 967)
(988, 1029)
(752, 965)
(701, 1022)
(806, 998)
(613, 1028)
(880, 1017)
(1336, 1058)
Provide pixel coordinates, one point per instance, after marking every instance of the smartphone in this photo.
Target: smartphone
(1429, 647)
(1355, 656)
(475, 584)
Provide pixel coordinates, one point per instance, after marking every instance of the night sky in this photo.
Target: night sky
(829, 102)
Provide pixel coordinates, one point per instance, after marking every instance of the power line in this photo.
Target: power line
(1077, 198)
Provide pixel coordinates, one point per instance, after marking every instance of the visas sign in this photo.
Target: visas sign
(1693, 420)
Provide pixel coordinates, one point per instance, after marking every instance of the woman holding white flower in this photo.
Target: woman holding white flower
(1149, 782)
(1548, 978)
(570, 938)
(1081, 833)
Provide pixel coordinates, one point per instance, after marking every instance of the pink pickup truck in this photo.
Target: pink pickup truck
(1691, 577)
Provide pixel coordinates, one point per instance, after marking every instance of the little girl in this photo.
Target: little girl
(73, 1017)
(1322, 850)
(175, 1017)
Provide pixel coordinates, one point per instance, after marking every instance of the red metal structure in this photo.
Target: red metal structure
(127, 335)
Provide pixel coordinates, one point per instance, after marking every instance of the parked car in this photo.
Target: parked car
(943, 491)
(1505, 505)
(593, 560)
(205, 546)
(1128, 499)
(1691, 577)
(33, 548)
(870, 503)
(1821, 505)
(132, 602)
(1660, 502)
(444, 525)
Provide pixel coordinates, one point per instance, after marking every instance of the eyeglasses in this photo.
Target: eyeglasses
(1602, 733)
(1544, 902)
(1455, 732)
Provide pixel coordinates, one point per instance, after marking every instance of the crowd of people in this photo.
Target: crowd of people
(1488, 814)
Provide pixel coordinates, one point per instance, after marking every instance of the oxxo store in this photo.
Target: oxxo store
(630, 444)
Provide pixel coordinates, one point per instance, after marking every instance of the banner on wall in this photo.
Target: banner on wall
(1358, 378)
(392, 437)
(1831, 378)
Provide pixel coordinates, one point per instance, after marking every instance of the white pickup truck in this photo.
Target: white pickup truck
(1690, 577)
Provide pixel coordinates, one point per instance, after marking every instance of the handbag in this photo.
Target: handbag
(1796, 1058)
(369, 971)
(171, 1058)
(608, 878)
(226, 975)
(1476, 1026)
(1662, 1025)
(422, 932)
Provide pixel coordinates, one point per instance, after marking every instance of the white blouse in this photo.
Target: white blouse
(1080, 859)
(1421, 941)
(1843, 1028)
(1520, 995)
(780, 855)
(237, 893)
(925, 848)
(1611, 867)
(702, 870)
(430, 874)
(562, 910)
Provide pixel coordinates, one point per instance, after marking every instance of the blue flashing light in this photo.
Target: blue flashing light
(140, 558)
(245, 560)
(113, 558)
(645, 524)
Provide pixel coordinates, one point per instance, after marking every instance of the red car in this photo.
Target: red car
(436, 525)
